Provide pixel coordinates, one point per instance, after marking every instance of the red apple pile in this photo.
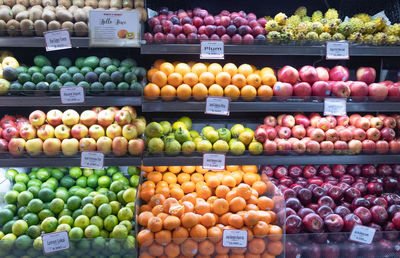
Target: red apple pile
(329, 135)
(110, 130)
(191, 26)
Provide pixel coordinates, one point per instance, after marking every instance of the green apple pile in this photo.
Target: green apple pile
(179, 137)
(94, 74)
(90, 204)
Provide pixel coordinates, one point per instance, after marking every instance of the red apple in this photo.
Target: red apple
(323, 74)
(308, 74)
(283, 90)
(359, 134)
(302, 89)
(377, 91)
(382, 147)
(270, 121)
(288, 74)
(373, 134)
(339, 73)
(394, 91)
(366, 74)
(288, 121)
(363, 123)
(359, 89)
(321, 88)
(368, 146)
(302, 120)
(340, 89)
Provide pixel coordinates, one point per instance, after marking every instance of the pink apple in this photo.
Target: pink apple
(394, 91)
(359, 89)
(359, 134)
(376, 122)
(298, 146)
(283, 146)
(382, 147)
(324, 124)
(288, 74)
(377, 91)
(27, 132)
(355, 146)
(327, 147)
(119, 146)
(366, 74)
(340, 89)
(343, 120)
(54, 117)
(79, 131)
(394, 146)
(339, 73)
(270, 121)
(105, 118)
(363, 123)
(302, 89)
(368, 146)
(270, 147)
(271, 133)
(46, 131)
(308, 74)
(341, 147)
(284, 132)
(317, 135)
(302, 120)
(288, 121)
(283, 90)
(345, 135)
(16, 146)
(299, 131)
(88, 117)
(321, 88)
(135, 147)
(373, 134)
(313, 147)
(332, 120)
(331, 135)
(323, 74)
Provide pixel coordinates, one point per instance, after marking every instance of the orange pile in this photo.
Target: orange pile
(181, 80)
(185, 210)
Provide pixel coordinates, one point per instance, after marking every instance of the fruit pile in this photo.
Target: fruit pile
(94, 74)
(186, 209)
(97, 204)
(172, 139)
(110, 130)
(327, 135)
(29, 18)
(7, 61)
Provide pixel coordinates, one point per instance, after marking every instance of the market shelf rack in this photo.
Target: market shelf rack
(77, 42)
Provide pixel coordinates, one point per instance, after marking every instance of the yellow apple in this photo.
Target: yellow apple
(52, 147)
(34, 147)
(16, 146)
(88, 117)
(62, 132)
(119, 146)
(136, 147)
(96, 131)
(87, 144)
(46, 131)
(70, 117)
(104, 145)
(69, 147)
(113, 131)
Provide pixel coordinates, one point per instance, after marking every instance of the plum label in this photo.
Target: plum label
(217, 106)
(214, 161)
(234, 238)
(337, 50)
(55, 242)
(362, 234)
(212, 49)
(72, 95)
(92, 160)
(57, 40)
(334, 107)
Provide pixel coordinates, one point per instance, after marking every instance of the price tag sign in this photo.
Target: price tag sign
(92, 160)
(57, 40)
(55, 242)
(217, 106)
(214, 161)
(212, 49)
(72, 95)
(334, 107)
(362, 234)
(234, 238)
(337, 50)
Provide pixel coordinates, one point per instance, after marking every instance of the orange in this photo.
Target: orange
(232, 167)
(202, 208)
(145, 238)
(199, 68)
(197, 177)
(204, 192)
(254, 80)
(267, 70)
(264, 216)
(214, 234)
(174, 169)
(265, 92)
(230, 68)
(237, 175)
(201, 170)
(214, 68)
(265, 203)
(191, 79)
(213, 182)
(208, 220)
(220, 249)
(177, 193)
(250, 178)
(184, 92)
(168, 203)
(198, 232)
(261, 229)
(207, 79)
(189, 248)
(154, 177)
(212, 199)
(156, 250)
(151, 91)
(144, 217)
(183, 177)
(167, 68)
(175, 79)
(268, 79)
(221, 191)
(244, 190)
(251, 207)
(171, 222)
(189, 220)
(239, 80)
(235, 221)
(144, 208)
(157, 209)
(163, 237)
(179, 235)
(220, 206)
(256, 246)
(150, 73)
(146, 194)
(189, 198)
(245, 69)
(189, 207)
(230, 195)
(237, 204)
(206, 247)
(170, 178)
(274, 247)
(155, 224)
(275, 233)
(260, 187)
(182, 68)
(161, 168)
(172, 250)
(157, 199)
(157, 64)
(199, 91)
(147, 168)
(188, 187)
(251, 218)
(159, 78)
(231, 91)
(223, 79)
(248, 93)
(188, 169)
(229, 181)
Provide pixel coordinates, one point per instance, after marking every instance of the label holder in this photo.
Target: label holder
(335, 106)
(212, 49)
(222, 112)
(92, 155)
(337, 50)
(72, 89)
(52, 33)
(229, 235)
(62, 234)
(216, 156)
(367, 234)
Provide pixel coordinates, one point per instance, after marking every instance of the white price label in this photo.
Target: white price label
(92, 160)
(362, 234)
(217, 106)
(334, 107)
(214, 161)
(234, 238)
(55, 242)
(57, 40)
(212, 49)
(72, 95)
(337, 50)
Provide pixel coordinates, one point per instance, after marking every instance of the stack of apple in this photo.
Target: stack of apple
(191, 26)
(325, 82)
(110, 130)
(329, 135)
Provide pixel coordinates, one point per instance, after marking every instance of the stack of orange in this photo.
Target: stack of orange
(184, 80)
(186, 209)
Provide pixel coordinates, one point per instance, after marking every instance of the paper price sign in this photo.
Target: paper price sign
(234, 238)
(337, 50)
(214, 161)
(55, 242)
(92, 160)
(362, 234)
(72, 95)
(217, 106)
(212, 49)
(334, 107)
(57, 40)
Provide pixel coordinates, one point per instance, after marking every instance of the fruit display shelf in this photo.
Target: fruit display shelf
(77, 42)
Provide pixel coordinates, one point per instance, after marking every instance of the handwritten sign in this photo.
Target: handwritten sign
(362, 234)
(212, 49)
(234, 238)
(334, 107)
(57, 40)
(337, 50)
(72, 95)
(92, 160)
(217, 106)
(114, 28)
(214, 161)
(55, 242)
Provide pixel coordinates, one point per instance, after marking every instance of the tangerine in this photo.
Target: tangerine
(251, 218)
(175, 79)
(171, 222)
(199, 91)
(237, 204)
(198, 232)
(145, 238)
(239, 80)
(265, 203)
(261, 229)
(221, 191)
(256, 246)
(274, 247)
(172, 250)
(159, 78)
(260, 187)
(248, 93)
(230, 68)
(184, 92)
(167, 68)
(179, 235)
(214, 234)
(191, 79)
(208, 220)
(207, 79)
(163, 237)
(151, 91)
(206, 247)
(265, 92)
(189, 220)
(235, 221)
(155, 224)
(232, 92)
(189, 248)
